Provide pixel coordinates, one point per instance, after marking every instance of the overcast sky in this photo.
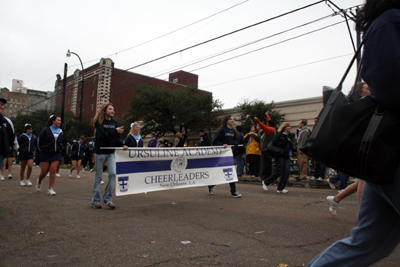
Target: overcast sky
(35, 36)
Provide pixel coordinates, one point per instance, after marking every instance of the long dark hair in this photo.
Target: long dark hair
(99, 117)
(51, 120)
(225, 120)
(372, 10)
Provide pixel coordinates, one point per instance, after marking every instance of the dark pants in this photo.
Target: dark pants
(342, 177)
(266, 165)
(282, 169)
(86, 161)
(319, 170)
(232, 185)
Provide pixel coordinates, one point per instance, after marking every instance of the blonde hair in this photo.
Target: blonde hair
(133, 128)
(283, 126)
(99, 117)
(178, 135)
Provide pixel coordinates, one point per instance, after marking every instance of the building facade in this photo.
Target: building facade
(103, 83)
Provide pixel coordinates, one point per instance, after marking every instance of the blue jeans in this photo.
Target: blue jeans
(377, 233)
(100, 159)
(239, 162)
(342, 177)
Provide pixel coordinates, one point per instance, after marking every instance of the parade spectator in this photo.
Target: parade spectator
(76, 156)
(239, 150)
(107, 135)
(165, 140)
(339, 176)
(7, 135)
(180, 140)
(302, 158)
(269, 133)
(282, 168)
(133, 139)
(253, 151)
(27, 148)
(153, 141)
(50, 146)
(204, 139)
(378, 231)
(224, 137)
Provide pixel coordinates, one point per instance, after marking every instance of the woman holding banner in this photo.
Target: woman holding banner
(107, 135)
(224, 137)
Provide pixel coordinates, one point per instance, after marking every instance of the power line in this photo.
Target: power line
(274, 71)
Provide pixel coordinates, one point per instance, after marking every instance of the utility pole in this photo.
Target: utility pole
(64, 87)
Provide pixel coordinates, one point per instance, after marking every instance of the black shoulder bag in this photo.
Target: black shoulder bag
(359, 138)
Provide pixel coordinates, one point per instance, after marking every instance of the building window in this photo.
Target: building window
(93, 93)
(175, 80)
(69, 100)
(92, 106)
(91, 121)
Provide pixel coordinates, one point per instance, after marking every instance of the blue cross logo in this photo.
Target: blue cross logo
(228, 174)
(123, 183)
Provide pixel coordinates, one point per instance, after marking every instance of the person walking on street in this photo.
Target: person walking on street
(224, 137)
(9, 143)
(269, 134)
(50, 146)
(107, 135)
(282, 169)
(27, 148)
(76, 156)
(302, 158)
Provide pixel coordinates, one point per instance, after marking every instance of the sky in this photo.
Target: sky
(257, 57)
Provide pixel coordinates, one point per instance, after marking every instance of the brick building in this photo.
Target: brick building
(104, 83)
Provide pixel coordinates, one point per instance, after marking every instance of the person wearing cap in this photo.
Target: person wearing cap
(153, 141)
(133, 139)
(8, 139)
(27, 148)
(165, 140)
(50, 146)
(204, 139)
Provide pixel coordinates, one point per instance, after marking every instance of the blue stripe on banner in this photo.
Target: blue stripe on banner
(165, 165)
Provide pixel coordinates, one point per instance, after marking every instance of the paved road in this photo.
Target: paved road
(260, 229)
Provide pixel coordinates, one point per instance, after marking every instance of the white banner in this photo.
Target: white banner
(141, 170)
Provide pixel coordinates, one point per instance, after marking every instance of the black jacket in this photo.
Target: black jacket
(77, 149)
(26, 145)
(130, 141)
(8, 139)
(204, 140)
(107, 136)
(47, 143)
(284, 141)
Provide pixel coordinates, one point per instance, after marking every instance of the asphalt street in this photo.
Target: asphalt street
(181, 227)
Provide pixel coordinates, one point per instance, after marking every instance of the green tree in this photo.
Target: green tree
(257, 108)
(163, 110)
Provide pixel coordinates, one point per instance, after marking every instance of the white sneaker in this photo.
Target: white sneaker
(22, 183)
(58, 175)
(320, 179)
(102, 182)
(332, 205)
(2, 178)
(331, 185)
(313, 179)
(51, 192)
(9, 176)
(37, 166)
(70, 174)
(48, 174)
(91, 170)
(284, 191)
(265, 187)
(38, 186)
(78, 177)
(83, 169)
(28, 182)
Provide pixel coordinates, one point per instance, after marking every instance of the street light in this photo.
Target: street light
(82, 82)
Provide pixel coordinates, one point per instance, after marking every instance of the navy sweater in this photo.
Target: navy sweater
(47, 143)
(381, 60)
(107, 136)
(26, 145)
(224, 136)
(130, 141)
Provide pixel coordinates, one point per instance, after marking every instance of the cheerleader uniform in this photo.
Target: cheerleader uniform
(27, 146)
(50, 144)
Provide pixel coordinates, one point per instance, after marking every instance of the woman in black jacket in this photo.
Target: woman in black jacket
(27, 147)
(50, 146)
(282, 139)
(133, 139)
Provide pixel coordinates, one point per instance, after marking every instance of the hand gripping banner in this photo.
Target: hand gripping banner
(141, 170)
